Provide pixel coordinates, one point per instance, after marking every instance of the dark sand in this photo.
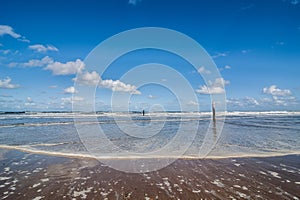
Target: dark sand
(30, 176)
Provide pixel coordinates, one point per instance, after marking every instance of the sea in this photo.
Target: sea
(112, 135)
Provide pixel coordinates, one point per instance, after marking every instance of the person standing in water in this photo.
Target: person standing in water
(143, 112)
(214, 112)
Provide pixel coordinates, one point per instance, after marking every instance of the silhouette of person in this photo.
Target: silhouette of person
(214, 112)
(143, 112)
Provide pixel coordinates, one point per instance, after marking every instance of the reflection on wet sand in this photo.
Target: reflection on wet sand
(30, 176)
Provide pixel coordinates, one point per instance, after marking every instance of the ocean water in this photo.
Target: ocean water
(178, 133)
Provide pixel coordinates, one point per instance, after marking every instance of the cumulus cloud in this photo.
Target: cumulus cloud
(273, 90)
(118, 86)
(42, 48)
(88, 78)
(68, 68)
(94, 79)
(280, 96)
(57, 68)
(202, 70)
(6, 84)
(38, 62)
(7, 30)
(134, 2)
(70, 90)
(216, 87)
(227, 67)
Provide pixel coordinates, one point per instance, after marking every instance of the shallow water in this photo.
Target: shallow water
(243, 134)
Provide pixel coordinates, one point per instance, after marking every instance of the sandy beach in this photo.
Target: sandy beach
(32, 176)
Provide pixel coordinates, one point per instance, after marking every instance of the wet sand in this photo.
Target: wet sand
(32, 176)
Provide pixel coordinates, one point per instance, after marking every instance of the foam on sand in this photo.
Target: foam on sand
(30, 149)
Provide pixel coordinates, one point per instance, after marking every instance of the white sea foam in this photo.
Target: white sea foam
(83, 193)
(275, 174)
(38, 198)
(151, 114)
(218, 183)
(29, 149)
(4, 178)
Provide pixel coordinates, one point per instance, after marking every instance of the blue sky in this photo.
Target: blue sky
(255, 44)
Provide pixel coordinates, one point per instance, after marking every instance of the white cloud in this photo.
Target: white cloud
(90, 79)
(29, 103)
(29, 100)
(70, 90)
(284, 100)
(42, 48)
(67, 68)
(216, 87)
(192, 103)
(150, 96)
(23, 39)
(202, 70)
(71, 99)
(7, 30)
(39, 63)
(266, 100)
(210, 90)
(93, 79)
(217, 55)
(227, 67)
(274, 91)
(234, 102)
(134, 2)
(118, 86)
(5, 52)
(57, 68)
(243, 103)
(6, 84)
(250, 101)
(279, 96)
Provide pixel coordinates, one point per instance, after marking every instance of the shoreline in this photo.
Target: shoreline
(27, 149)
